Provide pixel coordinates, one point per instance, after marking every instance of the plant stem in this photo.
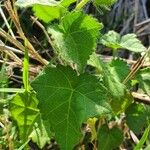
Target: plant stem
(81, 4)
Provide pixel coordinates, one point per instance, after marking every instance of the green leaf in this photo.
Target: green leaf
(67, 100)
(109, 139)
(136, 117)
(23, 108)
(119, 68)
(112, 76)
(143, 139)
(144, 80)
(46, 10)
(76, 37)
(129, 42)
(96, 62)
(47, 13)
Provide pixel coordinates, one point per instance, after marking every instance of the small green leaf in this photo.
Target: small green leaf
(23, 108)
(129, 42)
(48, 13)
(136, 116)
(75, 38)
(96, 62)
(144, 80)
(67, 100)
(109, 139)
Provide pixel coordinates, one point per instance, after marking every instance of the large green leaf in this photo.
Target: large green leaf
(144, 80)
(67, 100)
(46, 10)
(129, 42)
(136, 116)
(76, 37)
(23, 108)
(109, 139)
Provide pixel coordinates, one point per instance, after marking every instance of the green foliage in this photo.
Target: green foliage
(136, 116)
(70, 100)
(144, 80)
(109, 139)
(129, 42)
(75, 37)
(46, 10)
(119, 68)
(75, 105)
(23, 108)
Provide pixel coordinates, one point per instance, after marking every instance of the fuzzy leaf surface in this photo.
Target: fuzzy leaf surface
(67, 100)
(75, 37)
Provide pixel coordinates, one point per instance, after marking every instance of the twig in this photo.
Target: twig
(43, 29)
(142, 98)
(15, 18)
(6, 22)
(129, 62)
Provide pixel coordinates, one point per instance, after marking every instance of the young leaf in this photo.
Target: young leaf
(136, 116)
(67, 100)
(76, 37)
(109, 139)
(104, 3)
(23, 108)
(129, 42)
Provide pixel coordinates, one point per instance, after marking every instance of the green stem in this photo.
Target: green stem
(81, 4)
(114, 52)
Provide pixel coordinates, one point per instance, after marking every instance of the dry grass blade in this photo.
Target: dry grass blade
(14, 16)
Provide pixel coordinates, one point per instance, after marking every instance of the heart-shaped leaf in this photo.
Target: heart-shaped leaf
(67, 100)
